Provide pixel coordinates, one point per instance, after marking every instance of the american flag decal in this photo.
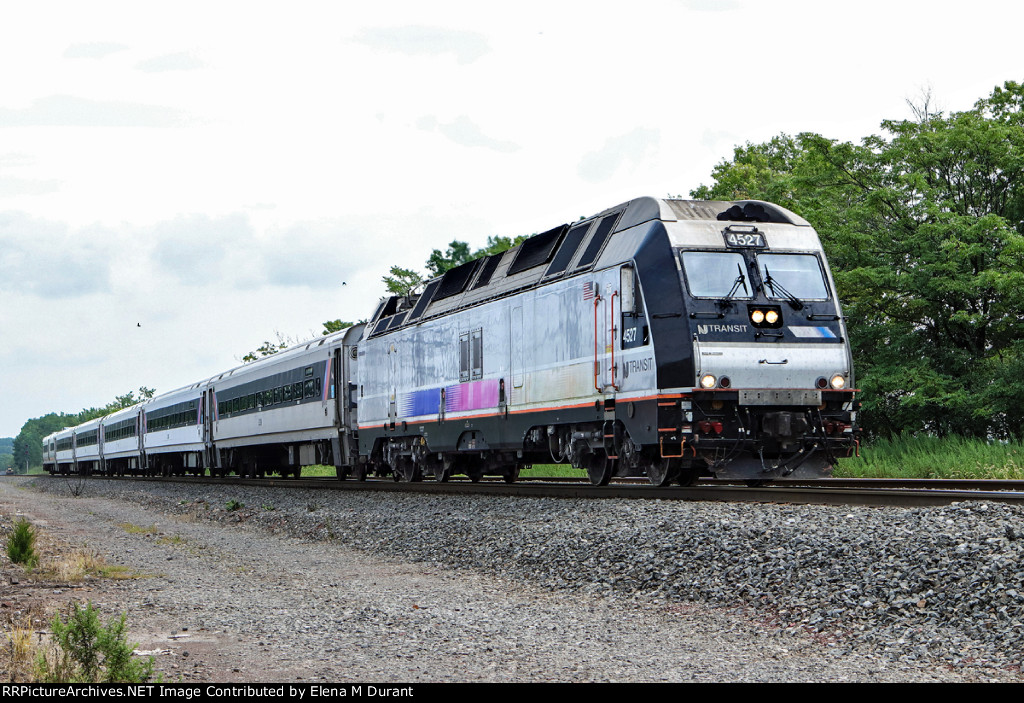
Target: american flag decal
(588, 290)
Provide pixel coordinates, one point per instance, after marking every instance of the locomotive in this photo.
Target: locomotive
(665, 338)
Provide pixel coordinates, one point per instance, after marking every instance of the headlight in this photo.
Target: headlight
(838, 382)
(757, 317)
(708, 381)
(772, 317)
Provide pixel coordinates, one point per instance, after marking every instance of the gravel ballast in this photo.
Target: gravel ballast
(404, 587)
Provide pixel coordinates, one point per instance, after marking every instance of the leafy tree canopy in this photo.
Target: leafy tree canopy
(332, 326)
(269, 348)
(407, 282)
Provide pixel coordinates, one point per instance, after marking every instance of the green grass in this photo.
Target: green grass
(137, 529)
(534, 471)
(560, 470)
(319, 471)
(908, 456)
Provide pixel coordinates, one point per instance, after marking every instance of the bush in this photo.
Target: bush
(86, 652)
(21, 544)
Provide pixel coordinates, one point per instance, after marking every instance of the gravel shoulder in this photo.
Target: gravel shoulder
(298, 585)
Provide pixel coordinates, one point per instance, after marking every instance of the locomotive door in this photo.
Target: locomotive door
(392, 385)
(605, 333)
(517, 347)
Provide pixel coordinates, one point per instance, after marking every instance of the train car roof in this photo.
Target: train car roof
(562, 252)
(349, 335)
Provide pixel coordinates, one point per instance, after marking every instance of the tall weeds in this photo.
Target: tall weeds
(83, 651)
(21, 544)
(923, 456)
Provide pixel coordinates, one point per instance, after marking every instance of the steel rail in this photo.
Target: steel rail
(789, 492)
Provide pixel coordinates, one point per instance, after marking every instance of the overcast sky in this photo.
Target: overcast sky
(214, 171)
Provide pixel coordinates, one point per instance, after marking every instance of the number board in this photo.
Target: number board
(744, 239)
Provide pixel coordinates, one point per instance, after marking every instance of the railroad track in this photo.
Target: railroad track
(871, 492)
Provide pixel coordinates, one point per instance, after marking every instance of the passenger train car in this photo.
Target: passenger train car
(662, 338)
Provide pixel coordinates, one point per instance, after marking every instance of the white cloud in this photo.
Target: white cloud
(93, 50)
(419, 40)
(199, 250)
(181, 61)
(712, 5)
(465, 132)
(10, 186)
(624, 152)
(43, 258)
(73, 111)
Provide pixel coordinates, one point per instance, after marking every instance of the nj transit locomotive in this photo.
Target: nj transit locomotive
(666, 338)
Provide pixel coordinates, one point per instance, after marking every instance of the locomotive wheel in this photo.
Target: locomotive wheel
(359, 472)
(407, 470)
(472, 466)
(511, 473)
(441, 472)
(662, 472)
(687, 477)
(600, 468)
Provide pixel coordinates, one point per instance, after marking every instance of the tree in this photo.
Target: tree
(332, 326)
(268, 348)
(456, 255)
(402, 281)
(406, 282)
(128, 399)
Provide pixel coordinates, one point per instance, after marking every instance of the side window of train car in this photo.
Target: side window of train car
(471, 355)
(476, 347)
(635, 332)
(463, 357)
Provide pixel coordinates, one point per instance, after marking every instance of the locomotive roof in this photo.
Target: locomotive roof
(564, 251)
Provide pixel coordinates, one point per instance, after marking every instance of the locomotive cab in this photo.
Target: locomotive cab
(765, 369)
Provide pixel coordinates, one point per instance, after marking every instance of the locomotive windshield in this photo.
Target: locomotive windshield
(792, 275)
(715, 274)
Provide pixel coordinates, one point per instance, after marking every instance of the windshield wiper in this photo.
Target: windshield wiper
(741, 280)
(778, 291)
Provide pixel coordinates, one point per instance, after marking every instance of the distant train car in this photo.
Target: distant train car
(88, 447)
(173, 433)
(662, 338)
(122, 442)
(50, 453)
